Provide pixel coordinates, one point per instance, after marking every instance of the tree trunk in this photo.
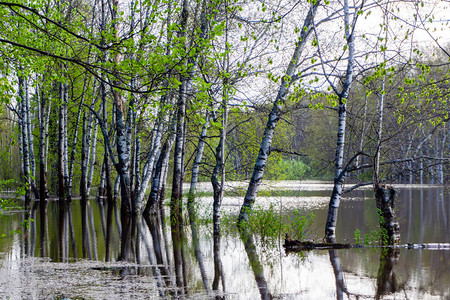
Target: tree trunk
(83, 188)
(159, 177)
(65, 140)
(84, 162)
(441, 147)
(196, 167)
(20, 126)
(25, 141)
(122, 167)
(217, 200)
(339, 175)
(153, 154)
(61, 144)
(102, 184)
(43, 192)
(93, 156)
(75, 141)
(177, 182)
(274, 116)
(158, 188)
(330, 228)
(30, 143)
(390, 229)
(363, 132)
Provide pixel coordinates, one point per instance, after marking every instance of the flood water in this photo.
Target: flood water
(57, 257)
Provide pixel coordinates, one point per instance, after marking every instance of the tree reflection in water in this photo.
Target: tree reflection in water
(159, 251)
(189, 264)
(158, 272)
(218, 267)
(176, 226)
(255, 264)
(341, 288)
(43, 227)
(63, 237)
(387, 280)
(197, 251)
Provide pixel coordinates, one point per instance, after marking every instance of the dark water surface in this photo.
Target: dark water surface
(58, 257)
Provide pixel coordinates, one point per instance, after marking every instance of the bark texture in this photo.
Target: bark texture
(274, 116)
(385, 198)
(339, 175)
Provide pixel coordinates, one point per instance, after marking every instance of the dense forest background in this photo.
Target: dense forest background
(112, 98)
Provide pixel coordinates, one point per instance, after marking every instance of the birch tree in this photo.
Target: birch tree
(342, 94)
(274, 116)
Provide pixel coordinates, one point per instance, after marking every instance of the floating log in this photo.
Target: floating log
(430, 246)
(297, 246)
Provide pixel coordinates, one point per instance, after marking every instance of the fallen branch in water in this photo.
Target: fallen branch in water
(297, 246)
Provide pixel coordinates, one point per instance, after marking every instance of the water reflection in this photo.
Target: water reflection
(158, 272)
(204, 260)
(218, 267)
(387, 280)
(178, 245)
(341, 288)
(43, 228)
(386, 283)
(198, 253)
(255, 264)
(159, 239)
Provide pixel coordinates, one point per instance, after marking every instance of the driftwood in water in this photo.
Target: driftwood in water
(297, 246)
(429, 246)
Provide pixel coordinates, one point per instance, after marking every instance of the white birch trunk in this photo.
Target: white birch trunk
(164, 172)
(201, 142)
(49, 110)
(61, 144)
(25, 140)
(93, 156)
(197, 161)
(177, 182)
(137, 166)
(149, 164)
(264, 150)
(376, 173)
(122, 166)
(20, 134)
(42, 145)
(30, 142)
(65, 138)
(330, 227)
(102, 184)
(75, 140)
(440, 148)
(160, 172)
(84, 161)
(363, 131)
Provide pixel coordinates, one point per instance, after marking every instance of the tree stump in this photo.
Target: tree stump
(385, 199)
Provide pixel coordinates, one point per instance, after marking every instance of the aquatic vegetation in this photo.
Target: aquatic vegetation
(272, 223)
(10, 204)
(374, 237)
